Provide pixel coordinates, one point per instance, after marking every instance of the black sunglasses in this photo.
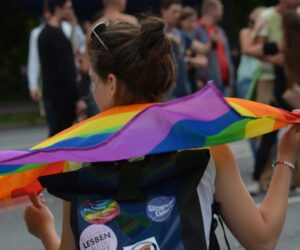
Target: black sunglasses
(96, 31)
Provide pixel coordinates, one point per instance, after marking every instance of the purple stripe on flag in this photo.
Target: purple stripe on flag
(143, 133)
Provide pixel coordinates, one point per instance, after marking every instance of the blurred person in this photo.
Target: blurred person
(291, 41)
(290, 47)
(116, 85)
(249, 69)
(114, 10)
(72, 31)
(271, 33)
(85, 83)
(60, 91)
(33, 65)
(187, 23)
(181, 44)
(220, 68)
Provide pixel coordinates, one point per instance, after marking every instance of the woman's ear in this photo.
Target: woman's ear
(112, 84)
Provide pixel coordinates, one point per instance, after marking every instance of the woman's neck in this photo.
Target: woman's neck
(54, 21)
(208, 20)
(111, 11)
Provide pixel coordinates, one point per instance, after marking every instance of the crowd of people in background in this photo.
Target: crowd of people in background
(58, 72)
(135, 64)
(265, 71)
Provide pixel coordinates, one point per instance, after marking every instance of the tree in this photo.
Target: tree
(14, 33)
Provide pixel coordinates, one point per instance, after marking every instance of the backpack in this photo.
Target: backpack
(147, 204)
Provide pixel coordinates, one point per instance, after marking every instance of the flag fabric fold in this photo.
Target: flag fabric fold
(201, 120)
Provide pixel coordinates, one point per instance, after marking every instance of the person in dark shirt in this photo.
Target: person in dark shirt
(220, 67)
(181, 44)
(60, 91)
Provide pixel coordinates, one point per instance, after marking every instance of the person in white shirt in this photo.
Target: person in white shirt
(72, 31)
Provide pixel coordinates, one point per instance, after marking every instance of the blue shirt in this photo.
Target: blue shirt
(183, 87)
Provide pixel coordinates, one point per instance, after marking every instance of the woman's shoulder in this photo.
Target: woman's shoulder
(222, 155)
(245, 32)
(221, 149)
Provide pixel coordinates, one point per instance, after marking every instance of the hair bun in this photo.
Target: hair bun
(153, 43)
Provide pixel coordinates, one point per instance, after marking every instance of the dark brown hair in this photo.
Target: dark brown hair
(50, 5)
(165, 4)
(141, 58)
(291, 27)
(186, 13)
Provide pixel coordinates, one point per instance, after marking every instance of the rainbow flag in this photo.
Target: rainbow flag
(201, 120)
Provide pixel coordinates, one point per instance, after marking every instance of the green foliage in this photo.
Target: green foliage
(14, 33)
(19, 118)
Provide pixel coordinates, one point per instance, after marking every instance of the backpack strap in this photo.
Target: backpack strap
(216, 216)
(129, 188)
(195, 163)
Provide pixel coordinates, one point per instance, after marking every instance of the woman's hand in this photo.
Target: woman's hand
(289, 145)
(38, 218)
(40, 222)
(35, 95)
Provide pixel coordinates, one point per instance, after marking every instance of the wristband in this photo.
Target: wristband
(286, 163)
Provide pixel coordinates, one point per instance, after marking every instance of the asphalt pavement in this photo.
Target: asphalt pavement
(14, 236)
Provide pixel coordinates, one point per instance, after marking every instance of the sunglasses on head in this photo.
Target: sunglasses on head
(96, 31)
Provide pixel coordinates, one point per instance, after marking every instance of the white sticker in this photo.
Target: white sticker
(98, 237)
(149, 244)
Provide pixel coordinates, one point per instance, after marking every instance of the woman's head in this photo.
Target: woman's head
(130, 64)
(187, 19)
(119, 4)
(254, 16)
(213, 9)
(291, 28)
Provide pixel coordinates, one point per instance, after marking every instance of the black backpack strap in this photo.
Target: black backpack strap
(191, 166)
(129, 188)
(216, 216)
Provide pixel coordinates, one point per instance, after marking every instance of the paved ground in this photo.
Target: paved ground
(13, 234)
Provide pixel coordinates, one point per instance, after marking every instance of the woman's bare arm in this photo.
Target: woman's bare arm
(248, 44)
(200, 47)
(255, 228)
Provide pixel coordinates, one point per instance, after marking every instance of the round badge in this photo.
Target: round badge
(99, 212)
(159, 209)
(98, 237)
